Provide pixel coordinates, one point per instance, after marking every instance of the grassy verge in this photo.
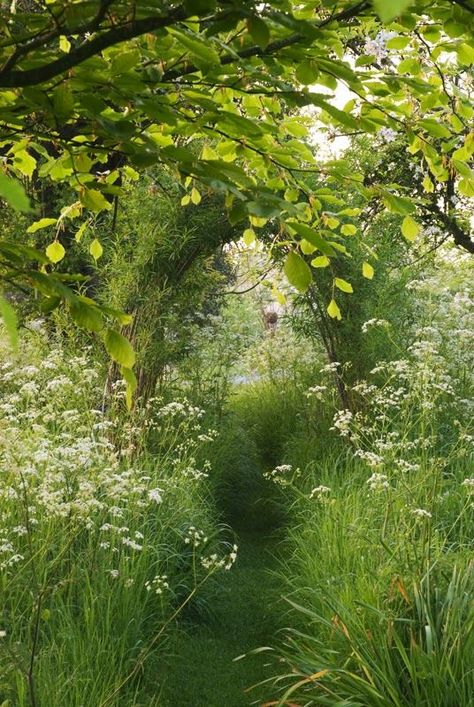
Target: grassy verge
(101, 541)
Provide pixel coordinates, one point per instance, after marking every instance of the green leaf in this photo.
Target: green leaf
(95, 249)
(198, 7)
(410, 228)
(131, 384)
(249, 236)
(124, 61)
(428, 185)
(258, 31)
(365, 59)
(367, 270)
(462, 168)
(333, 310)
(42, 223)
(307, 72)
(348, 229)
(24, 163)
(339, 115)
(48, 304)
(343, 285)
(398, 204)
(80, 231)
(64, 44)
(86, 316)
(322, 261)
(297, 271)
(55, 251)
(195, 196)
(14, 194)
(387, 10)
(409, 66)
(435, 128)
(95, 200)
(453, 28)
(312, 236)
(465, 54)
(119, 348)
(10, 320)
(466, 187)
(63, 101)
(203, 52)
(398, 42)
(306, 247)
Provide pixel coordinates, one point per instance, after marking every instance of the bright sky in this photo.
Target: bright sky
(319, 137)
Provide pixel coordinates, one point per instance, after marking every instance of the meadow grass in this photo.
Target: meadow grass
(102, 541)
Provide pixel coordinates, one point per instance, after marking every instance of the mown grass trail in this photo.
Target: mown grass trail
(202, 671)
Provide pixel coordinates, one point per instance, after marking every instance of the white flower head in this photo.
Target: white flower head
(378, 482)
(320, 492)
(155, 495)
(421, 513)
(468, 485)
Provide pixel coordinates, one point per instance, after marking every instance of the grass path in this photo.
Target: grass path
(202, 671)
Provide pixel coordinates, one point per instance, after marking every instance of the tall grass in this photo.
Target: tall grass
(382, 597)
(102, 541)
(379, 570)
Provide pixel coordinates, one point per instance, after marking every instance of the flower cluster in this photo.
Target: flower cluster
(158, 584)
(468, 485)
(214, 562)
(421, 513)
(378, 482)
(282, 475)
(195, 537)
(320, 492)
(316, 391)
(342, 422)
(370, 323)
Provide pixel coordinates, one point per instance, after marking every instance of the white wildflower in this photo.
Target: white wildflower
(158, 584)
(421, 513)
(370, 323)
(195, 537)
(320, 492)
(469, 485)
(155, 495)
(378, 482)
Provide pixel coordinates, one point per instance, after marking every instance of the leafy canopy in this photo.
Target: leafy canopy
(93, 92)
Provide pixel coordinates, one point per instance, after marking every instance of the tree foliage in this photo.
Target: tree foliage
(93, 92)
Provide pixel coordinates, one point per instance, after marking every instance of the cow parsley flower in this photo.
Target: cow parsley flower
(155, 495)
(421, 513)
(378, 482)
(158, 584)
(469, 485)
(320, 492)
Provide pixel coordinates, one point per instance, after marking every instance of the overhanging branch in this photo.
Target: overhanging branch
(10, 78)
(130, 30)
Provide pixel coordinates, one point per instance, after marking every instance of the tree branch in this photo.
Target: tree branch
(130, 30)
(460, 236)
(273, 47)
(32, 77)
